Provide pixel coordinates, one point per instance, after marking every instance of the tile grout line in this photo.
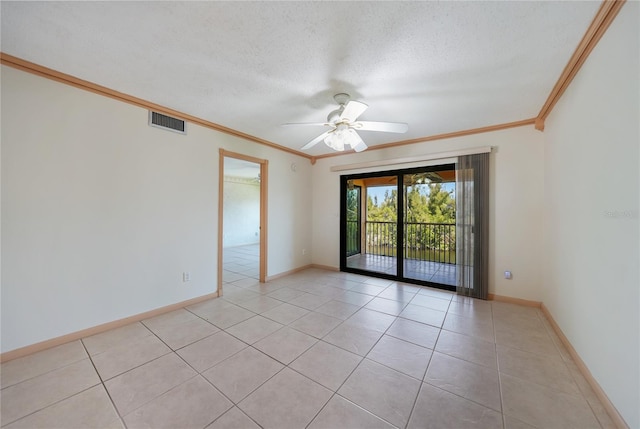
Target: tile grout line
(171, 351)
(335, 392)
(197, 373)
(46, 372)
(272, 376)
(435, 344)
(495, 348)
(365, 358)
(233, 404)
(463, 397)
(53, 404)
(60, 400)
(102, 383)
(580, 395)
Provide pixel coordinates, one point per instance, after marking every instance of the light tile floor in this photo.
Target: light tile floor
(315, 349)
(241, 262)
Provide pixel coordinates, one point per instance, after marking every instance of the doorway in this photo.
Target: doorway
(241, 219)
(401, 225)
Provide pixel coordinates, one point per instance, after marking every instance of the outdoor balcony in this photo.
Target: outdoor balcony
(429, 250)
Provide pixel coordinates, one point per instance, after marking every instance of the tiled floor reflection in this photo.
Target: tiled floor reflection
(428, 271)
(315, 349)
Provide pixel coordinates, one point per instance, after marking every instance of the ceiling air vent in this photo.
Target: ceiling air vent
(165, 122)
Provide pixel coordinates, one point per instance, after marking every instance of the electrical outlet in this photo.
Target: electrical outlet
(186, 276)
(507, 275)
(304, 251)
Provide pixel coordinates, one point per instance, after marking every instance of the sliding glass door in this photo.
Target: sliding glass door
(430, 226)
(377, 225)
(405, 223)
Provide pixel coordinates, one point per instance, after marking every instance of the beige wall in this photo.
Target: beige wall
(591, 199)
(515, 204)
(101, 213)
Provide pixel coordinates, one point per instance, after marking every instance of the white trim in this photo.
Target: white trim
(408, 160)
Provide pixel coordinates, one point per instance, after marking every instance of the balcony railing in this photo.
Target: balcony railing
(422, 241)
(430, 242)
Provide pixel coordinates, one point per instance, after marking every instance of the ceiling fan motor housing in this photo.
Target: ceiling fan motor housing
(342, 98)
(334, 116)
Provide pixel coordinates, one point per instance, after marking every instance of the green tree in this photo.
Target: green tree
(386, 211)
(353, 195)
(441, 205)
(383, 237)
(417, 205)
(425, 204)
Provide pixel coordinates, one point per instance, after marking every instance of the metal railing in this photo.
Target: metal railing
(381, 238)
(422, 241)
(430, 242)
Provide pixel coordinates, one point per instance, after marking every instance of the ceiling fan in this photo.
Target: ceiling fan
(343, 123)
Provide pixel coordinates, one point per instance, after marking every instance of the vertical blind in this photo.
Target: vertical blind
(472, 225)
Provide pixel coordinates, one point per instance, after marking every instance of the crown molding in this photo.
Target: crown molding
(38, 70)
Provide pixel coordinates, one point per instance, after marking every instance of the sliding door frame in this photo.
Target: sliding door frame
(400, 173)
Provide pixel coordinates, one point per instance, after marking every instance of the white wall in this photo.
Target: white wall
(591, 200)
(515, 223)
(101, 213)
(241, 212)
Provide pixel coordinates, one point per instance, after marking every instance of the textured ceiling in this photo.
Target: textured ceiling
(251, 66)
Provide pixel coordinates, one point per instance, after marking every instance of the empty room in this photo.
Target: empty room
(320, 214)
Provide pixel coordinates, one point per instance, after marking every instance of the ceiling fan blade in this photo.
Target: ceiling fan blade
(352, 110)
(387, 127)
(316, 140)
(305, 124)
(357, 143)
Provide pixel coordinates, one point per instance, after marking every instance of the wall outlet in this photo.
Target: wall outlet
(507, 275)
(186, 276)
(304, 251)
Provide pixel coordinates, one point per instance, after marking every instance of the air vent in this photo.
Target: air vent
(167, 122)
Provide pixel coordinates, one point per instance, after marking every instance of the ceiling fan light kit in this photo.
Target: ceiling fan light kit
(344, 136)
(343, 126)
